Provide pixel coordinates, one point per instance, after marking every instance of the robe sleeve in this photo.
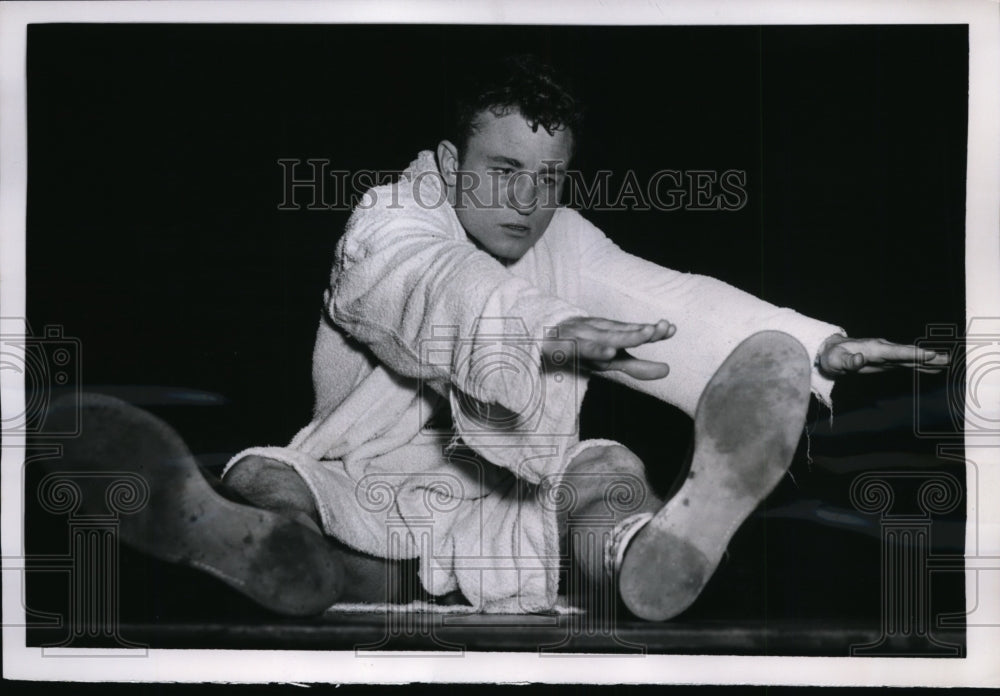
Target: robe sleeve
(711, 316)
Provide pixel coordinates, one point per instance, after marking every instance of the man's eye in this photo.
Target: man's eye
(506, 171)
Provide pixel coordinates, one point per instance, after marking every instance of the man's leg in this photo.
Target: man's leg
(747, 426)
(275, 486)
(606, 491)
(128, 463)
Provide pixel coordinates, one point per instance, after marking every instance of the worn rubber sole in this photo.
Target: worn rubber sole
(747, 426)
(280, 564)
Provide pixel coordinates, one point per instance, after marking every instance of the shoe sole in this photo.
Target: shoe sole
(747, 426)
(280, 564)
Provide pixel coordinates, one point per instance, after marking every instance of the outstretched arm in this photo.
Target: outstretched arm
(711, 317)
(427, 304)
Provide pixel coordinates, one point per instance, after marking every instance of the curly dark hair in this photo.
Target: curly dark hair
(522, 83)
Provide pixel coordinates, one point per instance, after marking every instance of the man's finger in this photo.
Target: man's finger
(909, 357)
(661, 327)
(843, 360)
(929, 370)
(936, 359)
(870, 355)
(605, 344)
(634, 367)
(667, 329)
(847, 362)
(615, 325)
(630, 339)
(898, 353)
(612, 324)
(883, 351)
(872, 369)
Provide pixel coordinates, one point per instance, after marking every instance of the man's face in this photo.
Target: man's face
(509, 182)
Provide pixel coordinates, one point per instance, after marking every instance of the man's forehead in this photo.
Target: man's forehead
(509, 138)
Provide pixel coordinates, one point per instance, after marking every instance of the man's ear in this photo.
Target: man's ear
(447, 157)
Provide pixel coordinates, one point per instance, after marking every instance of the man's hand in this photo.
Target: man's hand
(840, 356)
(601, 344)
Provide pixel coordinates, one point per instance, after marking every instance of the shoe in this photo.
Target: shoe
(746, 428)
(281, 564)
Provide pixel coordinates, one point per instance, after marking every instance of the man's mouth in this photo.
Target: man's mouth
(516, 229)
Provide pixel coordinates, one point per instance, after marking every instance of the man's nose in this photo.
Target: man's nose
(522, 192)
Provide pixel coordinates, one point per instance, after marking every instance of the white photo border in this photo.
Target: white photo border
(978, 668)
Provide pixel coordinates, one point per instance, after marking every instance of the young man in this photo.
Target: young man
(465, 314)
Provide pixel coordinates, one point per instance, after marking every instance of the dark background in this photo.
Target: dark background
(154, 234)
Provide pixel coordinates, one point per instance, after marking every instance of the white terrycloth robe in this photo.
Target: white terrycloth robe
(415, 313)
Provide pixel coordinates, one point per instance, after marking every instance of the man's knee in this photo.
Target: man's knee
(607, 459)
(271, 484)
(606, 481)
